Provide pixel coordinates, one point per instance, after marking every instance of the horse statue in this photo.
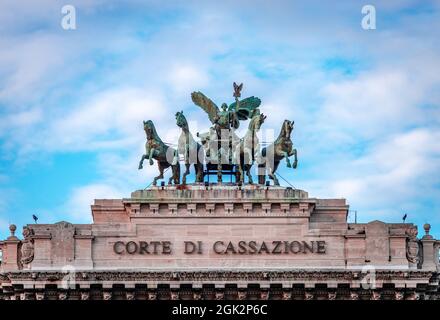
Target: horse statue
(248, 149)
(165, 156)
(189, 148)
(281, 148)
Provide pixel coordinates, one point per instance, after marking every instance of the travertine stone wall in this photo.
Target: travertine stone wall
(332, 252)
(211, 214)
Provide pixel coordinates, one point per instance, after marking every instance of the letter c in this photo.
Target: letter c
(117, 245)
(215, 246)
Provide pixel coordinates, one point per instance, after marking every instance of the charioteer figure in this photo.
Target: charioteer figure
(221, 141)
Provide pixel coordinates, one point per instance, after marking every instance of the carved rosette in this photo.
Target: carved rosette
(287, 295)
(39, 296)
(308, 296)
(354, 296)
(62, 296)
(242, 295)
(332, 295)
(375, 296)
(174, 295)
(398, 295)
(413, 296)
(264, 295)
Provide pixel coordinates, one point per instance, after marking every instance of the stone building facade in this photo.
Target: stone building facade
(220, 242)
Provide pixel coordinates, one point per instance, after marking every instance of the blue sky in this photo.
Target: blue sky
(365, 102)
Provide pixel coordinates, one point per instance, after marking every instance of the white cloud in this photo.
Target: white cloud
(373, 104)
(399, 172)
(109, 120)
(89, 90)
(78, 206)
(20, 119)
(32, 63)
(185, 78)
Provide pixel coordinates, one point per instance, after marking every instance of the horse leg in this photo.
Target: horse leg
(198, 167)
(275, 167)
(175, 158)
(219, 167)
(173, 170)
(144, 156)
(248, 162)
(247, 159)
(150, 156)
(187, 166)
(248, 173)
(197, 172)
(176, 174)
(271, 173)
(261, 174)
(274, 178)
(295, 162)
(160, 176)
(219, 172)
(286, 155)
(241, 173)
(240, 167)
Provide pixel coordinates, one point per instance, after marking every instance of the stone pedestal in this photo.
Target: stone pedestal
(10, 252)
(430, 247)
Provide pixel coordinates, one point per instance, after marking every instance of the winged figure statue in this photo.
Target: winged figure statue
(228, 117)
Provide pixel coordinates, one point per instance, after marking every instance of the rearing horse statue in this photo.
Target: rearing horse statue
(165, 156)
(248, 149)
(190, 149)
(281, 148)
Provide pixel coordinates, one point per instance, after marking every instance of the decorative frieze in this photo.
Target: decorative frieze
(225, 276)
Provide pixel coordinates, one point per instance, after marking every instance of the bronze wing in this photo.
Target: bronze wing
(247, 109)
(206, 104)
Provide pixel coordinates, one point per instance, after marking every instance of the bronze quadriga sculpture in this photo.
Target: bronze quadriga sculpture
(220, 147)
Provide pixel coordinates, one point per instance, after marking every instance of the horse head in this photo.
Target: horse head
(181, 120)
(149, 129)
(256, 122)
(287, 128)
